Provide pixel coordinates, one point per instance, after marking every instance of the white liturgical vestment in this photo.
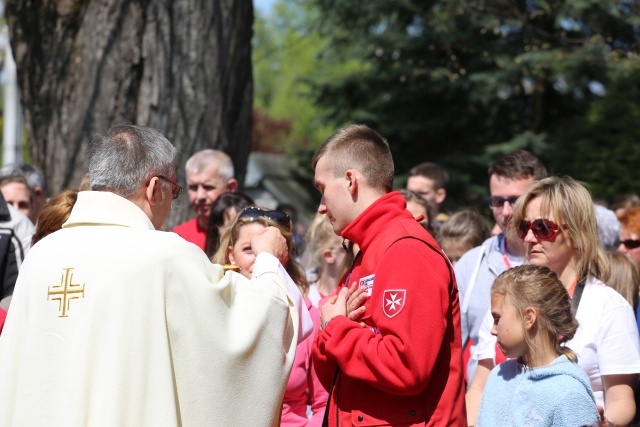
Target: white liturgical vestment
(116, 324)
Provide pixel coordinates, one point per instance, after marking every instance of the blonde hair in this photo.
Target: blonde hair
(572, 208)
(231, 234)
(539, 288)
(320, 236)
(625, 277)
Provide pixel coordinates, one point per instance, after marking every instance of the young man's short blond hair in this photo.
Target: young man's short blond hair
(359, 147)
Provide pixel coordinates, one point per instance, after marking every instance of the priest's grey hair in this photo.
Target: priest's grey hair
(126, 157)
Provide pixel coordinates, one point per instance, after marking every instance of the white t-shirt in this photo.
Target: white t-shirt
(607, 341)
(486, 345)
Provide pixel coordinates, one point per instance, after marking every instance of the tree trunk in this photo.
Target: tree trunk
(181, 66)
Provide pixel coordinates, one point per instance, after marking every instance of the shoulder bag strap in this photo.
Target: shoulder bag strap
(577, 295)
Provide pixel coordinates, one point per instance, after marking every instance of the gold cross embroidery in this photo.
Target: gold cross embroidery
(65, 292)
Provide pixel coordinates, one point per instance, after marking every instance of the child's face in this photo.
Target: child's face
(240, 253)
(507, 327)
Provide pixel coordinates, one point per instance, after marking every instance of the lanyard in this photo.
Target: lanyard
(503, 249)
(571, 289)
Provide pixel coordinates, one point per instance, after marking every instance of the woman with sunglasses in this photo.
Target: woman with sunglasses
(556, 220)
(630, 238)
(303, 387)
(630, 232)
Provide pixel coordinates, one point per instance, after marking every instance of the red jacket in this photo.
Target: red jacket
(192, 232)
(405, 367)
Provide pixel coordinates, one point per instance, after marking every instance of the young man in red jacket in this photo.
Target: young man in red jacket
(400, 363)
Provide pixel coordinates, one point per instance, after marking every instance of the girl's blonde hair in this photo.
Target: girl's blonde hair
(572, 208)
(320, 236)
(539, 288)
(231, 234)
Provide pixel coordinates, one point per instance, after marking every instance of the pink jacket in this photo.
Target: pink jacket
(303, 387)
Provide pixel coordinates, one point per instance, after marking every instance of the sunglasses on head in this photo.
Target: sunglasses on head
(630, 244)
(252, 213)
(498, 202)
(543, 229)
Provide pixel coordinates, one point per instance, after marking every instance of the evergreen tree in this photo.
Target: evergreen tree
(456, 82)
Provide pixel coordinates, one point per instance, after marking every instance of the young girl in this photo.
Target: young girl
(325, 258)
(541, 385)
(303, 387)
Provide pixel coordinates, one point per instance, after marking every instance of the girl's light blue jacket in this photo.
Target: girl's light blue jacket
(556, 395)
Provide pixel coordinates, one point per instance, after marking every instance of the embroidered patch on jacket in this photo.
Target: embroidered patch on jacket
(367, 282)
(65, 291)
(393, 301)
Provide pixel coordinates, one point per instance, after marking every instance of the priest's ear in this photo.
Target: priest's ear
(153, 191)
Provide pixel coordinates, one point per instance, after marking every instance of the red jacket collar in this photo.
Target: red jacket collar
(369, 223)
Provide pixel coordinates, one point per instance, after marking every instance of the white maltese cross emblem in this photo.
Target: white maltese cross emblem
(393, 301)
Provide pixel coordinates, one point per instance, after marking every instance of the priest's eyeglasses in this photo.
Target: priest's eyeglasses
(176, 190)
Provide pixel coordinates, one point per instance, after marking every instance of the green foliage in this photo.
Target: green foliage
(286, 57)
(462, 82)
(602, 147)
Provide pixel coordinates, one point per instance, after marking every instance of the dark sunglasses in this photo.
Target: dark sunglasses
(252, 213)
(543, 229)
(498, 202)
(630, 244)
(176, 190)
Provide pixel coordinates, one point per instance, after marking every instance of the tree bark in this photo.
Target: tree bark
(181, 66)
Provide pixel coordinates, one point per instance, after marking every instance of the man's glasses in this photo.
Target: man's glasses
(252, 213)
(498, 202)
(176, 190)
(630, 244)
(543, 229)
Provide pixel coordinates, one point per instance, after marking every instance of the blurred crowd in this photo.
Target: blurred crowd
(537, 288)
